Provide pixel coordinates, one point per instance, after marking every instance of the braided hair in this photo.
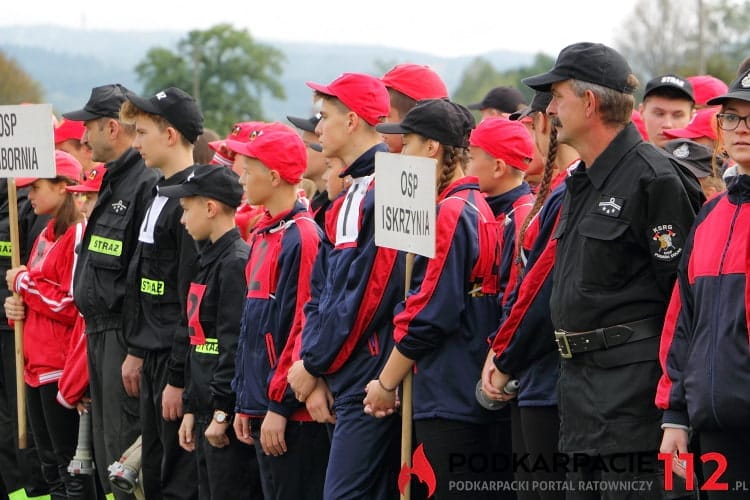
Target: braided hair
(541, 196)
(453, 157)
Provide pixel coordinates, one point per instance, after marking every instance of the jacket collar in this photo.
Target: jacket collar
(365, 164)
(210, 251)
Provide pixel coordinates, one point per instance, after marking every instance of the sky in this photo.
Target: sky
(470, 26)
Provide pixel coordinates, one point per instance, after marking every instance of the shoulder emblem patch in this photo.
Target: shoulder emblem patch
(666, 242)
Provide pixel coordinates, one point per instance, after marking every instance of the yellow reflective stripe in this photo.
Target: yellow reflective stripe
(106, 246)
(4, 248)
(152, 287)
(210, 347)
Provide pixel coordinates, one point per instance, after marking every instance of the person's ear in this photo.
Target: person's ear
(275, 177)
(500, 168)
(352, 121)
(433, 147)
(173, 136)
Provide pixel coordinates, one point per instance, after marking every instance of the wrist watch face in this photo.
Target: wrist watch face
(221, 417)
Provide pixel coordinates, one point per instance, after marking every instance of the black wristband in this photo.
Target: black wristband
(382, 386)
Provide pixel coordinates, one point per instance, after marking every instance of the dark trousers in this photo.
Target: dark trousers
(56, 432)
(18, 468)
(734, 445)
(228, 472)
(463, 454)
(536, 430)
(298, 474)
(114, 415)
(363, 463)
(169, 472)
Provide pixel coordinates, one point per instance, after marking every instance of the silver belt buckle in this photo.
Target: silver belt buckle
(562, 344)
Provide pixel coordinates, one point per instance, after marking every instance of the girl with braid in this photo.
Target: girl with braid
(441, 328)
(524, 346)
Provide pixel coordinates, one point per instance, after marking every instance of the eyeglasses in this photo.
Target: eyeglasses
(730, 121)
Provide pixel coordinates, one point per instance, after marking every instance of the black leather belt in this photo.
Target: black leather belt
(569, 343)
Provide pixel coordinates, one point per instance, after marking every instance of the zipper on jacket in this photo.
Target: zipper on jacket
(717, 300)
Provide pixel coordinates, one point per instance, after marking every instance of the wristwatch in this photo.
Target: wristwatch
(221, 417)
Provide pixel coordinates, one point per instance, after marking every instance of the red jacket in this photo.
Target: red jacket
(46, 289)
(75, 377)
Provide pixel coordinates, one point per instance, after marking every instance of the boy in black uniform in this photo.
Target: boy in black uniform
(167, 125)
(208, 198)
(624, 220)
(101, 271)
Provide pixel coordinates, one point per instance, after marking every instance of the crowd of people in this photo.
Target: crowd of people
(220, 299)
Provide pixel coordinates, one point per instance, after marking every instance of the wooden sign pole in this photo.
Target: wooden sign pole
(15, 261)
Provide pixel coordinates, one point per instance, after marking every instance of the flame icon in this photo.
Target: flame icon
(421, 468)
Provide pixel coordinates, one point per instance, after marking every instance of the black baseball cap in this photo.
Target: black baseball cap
(506, 99)
(590, 62)
(177, 107)
(104, 102)
(694, 156)
(739, 89)
(439, 119)
(673, 82)
(212, 181)
(539, 103)
(306, 124)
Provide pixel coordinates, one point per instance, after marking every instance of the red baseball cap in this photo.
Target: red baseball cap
(706, 87)
(637, 120)
(241, 132)
(703, 124)
(69, 129)
(506, 140)
(363, 94)
(92, 183)
(65, 165)
(278, 149)
(416, 81)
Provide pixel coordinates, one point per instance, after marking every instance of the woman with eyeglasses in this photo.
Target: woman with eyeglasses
(705, 344)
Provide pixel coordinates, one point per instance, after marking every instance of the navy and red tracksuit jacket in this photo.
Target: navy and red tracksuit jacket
(510, 210)
(705, 344)
(524, 345)
(283, 249)
(357, 285)
(452, 307)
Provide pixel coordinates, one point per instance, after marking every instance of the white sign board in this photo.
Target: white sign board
(27, 144)
(405, 202)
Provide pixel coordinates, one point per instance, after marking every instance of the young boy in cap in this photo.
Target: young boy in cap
(208, 198)
(500, 152)
(701, 128)
(408, 83)
(87, 192)
(316, 166)
(700, 160)
(499, 102)
(68, 136)
(668, 103)
(164, 262)
(100, 280)
(348, 325)
(292, 450)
